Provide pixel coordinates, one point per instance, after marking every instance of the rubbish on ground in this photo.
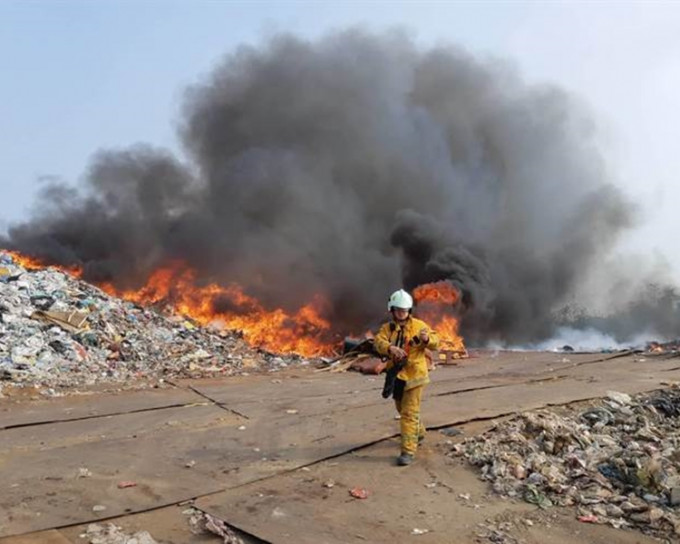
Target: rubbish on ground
(112, 534)
(201, 523)
(360, 355)
(497, 532)
(621, 398)
(451, 431)
(126, 484)
(663, 348)
(359, 493)
(617, 460)
(73, 321)
(368, 365)
(449, 356)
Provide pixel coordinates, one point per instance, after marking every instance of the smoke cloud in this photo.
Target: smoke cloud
(352, 166)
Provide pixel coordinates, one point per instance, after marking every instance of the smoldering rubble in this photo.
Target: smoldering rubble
(349, 166)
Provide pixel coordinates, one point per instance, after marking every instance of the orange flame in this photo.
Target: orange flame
(304, 332)
(31, 263)
(436, 302)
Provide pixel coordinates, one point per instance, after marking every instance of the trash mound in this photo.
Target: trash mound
(60, 332)
(617, 462)
(112, 534)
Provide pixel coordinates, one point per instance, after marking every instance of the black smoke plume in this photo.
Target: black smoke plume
(351, 166)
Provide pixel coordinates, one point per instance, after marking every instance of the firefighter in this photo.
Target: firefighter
(404, 340)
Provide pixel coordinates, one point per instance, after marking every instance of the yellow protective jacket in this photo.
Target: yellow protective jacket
(415, 372)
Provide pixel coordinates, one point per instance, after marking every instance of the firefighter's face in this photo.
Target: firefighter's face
(400, 314)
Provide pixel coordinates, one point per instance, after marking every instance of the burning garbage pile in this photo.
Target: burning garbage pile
(56, 330)
(303, 332)
(617, 462)
(59, 331)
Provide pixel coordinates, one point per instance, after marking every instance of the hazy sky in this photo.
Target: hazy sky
(81, 75)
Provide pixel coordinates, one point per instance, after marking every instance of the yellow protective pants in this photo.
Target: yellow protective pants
(412, 427)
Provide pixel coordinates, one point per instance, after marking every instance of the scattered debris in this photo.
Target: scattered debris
(420, 531)
(451, 431)
(201, 523)
(126, 484)
(498, 533)
(367, 364)
(360, 355)
(449, 356)
(620, 398)
(617, 461)
(669, 348)
(112, 534)
(359, 493)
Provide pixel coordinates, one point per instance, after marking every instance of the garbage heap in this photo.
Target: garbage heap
(617, 461)
(57, 331)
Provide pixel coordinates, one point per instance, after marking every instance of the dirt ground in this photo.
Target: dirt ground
(275, 455)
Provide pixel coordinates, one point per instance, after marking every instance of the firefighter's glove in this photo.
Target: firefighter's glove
(397, 354)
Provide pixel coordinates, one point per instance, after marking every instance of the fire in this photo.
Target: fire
(303, 332)
(436, 302)
(31, 263)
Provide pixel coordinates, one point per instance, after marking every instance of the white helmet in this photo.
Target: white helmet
(400, 299)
